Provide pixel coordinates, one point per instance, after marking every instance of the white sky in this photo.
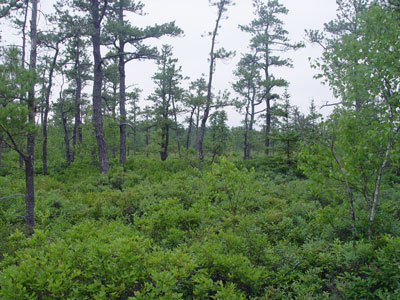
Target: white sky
(197, 17)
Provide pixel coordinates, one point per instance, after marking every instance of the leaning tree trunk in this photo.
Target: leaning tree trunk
(209, 86)
(377, 187)
(97, 86)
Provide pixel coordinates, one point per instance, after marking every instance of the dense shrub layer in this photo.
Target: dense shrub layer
(155, 230)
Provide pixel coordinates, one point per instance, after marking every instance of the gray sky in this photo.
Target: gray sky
(197, 17)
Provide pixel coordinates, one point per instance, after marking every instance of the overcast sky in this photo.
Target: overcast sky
(197, 17)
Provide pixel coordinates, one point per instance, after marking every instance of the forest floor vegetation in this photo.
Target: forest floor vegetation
(255, 229)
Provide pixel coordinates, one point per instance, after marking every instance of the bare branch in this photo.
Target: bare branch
(12, 196)
(331, 104)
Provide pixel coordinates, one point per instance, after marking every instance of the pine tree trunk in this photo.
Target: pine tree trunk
(134, 140)
(66, 137)
(209, 86)
(178, 137)
(21, 158)
(267, 126)
(122, 91)
(246, 148)
(122, 109)
(197, 129)
(30, 146)
(189, 129)
(29, 194)
(46, 111)
(164, 143)
(77, 134)
(97, 87)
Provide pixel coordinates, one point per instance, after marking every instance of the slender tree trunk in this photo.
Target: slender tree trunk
(97, 87)
(44, 145)
(30, 150)
(251, 124)
(122, 91)
(68, 156)
(77, 134)
(267, 126)
(197, 129)
(189, 129)
(377, 187)
(209, 86)
(30, 193)
(246, 154)
(122, 109)
(24, 33)
(178, 137)
(164, 142)
(246, 147)
(21, 158)
(46, 110)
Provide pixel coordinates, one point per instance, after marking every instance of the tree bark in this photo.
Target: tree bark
(164, 142)
(21, 158)
(46, 110)
(267, 126)
(246, 150)
(97, 87)
(197, 129)
(77, 134)
(178, 137)
(66, 137)
(210, 80)
(377, 187)
(122, 91)
(30, 149)
(189, 129)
